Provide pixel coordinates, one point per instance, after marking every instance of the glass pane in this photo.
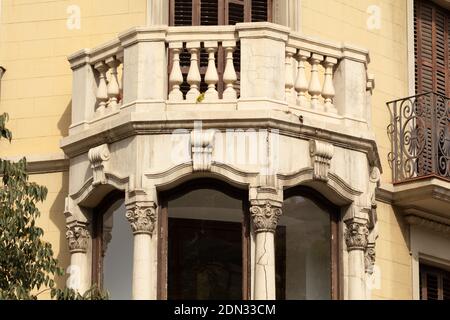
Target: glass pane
(306, 270)
(118, 252)
(205, 246)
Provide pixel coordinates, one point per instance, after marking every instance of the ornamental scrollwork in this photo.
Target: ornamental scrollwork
(142, 218)
(265, 217)
(77, 237)
(356, 235)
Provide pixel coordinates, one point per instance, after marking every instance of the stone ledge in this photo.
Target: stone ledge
(38, 164)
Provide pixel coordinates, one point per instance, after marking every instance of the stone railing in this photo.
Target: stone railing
(250, 65)
(192, 42)
(327, 77)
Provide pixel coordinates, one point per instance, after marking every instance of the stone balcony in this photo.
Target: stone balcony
(136, 79)
(255, 105)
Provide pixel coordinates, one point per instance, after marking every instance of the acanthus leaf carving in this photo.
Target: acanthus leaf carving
(142, 218)
(356, 235)
(369, 258)
(77, 236)
(321, 154)
(265, 216)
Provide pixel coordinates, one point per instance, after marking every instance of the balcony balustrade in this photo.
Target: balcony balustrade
(246, 66)
(420, 137)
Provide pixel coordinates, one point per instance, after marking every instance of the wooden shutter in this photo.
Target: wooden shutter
(215, 12)
(261, 11)
(431, 32)
(181, 13)
(434, 283)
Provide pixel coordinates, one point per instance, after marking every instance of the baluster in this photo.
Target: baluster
(229, 74)
(113, 83)
(328, 91)
(176, 77)
(102, 89)
(289, 84)
(211, 76)
(314, 83)
(301, 83)
(193, 77)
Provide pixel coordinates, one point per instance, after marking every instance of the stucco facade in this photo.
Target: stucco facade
(334, 141)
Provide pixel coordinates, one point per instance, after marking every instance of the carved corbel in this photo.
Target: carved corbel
(77, 235)
(202, 148)
(265, 215)
(321, 154)
(99, 157)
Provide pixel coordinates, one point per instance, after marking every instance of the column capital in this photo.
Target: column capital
(265, 215)
(142, 217)
(77, 236)
(356, 234)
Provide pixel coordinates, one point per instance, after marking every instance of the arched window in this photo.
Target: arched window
(205, 242)
(113, 248)
(307, 247)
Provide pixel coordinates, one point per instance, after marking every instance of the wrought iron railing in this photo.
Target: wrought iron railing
(420, 137)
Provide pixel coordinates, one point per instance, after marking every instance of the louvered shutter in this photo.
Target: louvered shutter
(260, 10)
(434, 283)
(215, 12)
(431, 32)
(182, 13)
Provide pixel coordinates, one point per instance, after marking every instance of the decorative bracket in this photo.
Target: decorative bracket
(98, 157)
(202, 148)
(321, 154)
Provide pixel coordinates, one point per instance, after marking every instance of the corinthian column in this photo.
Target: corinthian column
(356, 234)
(78, 237)
(265, 215)
(142, 217)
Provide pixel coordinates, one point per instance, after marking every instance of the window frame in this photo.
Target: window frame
(439, 271)
(334, 212)
(97, 235)
(163, 215)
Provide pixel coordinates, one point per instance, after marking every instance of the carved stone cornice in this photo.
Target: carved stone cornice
(430, 224)
(77, 237)
(265, 216)
(142, 217)
(356, 234)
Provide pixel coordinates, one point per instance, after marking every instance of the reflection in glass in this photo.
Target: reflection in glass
(117, 247)
(307, 236)
(205, 246)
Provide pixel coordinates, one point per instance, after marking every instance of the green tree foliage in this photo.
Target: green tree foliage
(27, 264)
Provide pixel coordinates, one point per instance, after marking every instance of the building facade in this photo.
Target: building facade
(237, 149)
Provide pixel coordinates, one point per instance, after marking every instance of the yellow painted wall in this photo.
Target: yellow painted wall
(36, 91)
(347, 21)
(36, 88)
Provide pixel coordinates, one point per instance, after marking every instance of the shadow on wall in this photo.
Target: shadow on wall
(65, 120)
(404, 227)
(2, 72)
(57, 208)
(58, 220)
